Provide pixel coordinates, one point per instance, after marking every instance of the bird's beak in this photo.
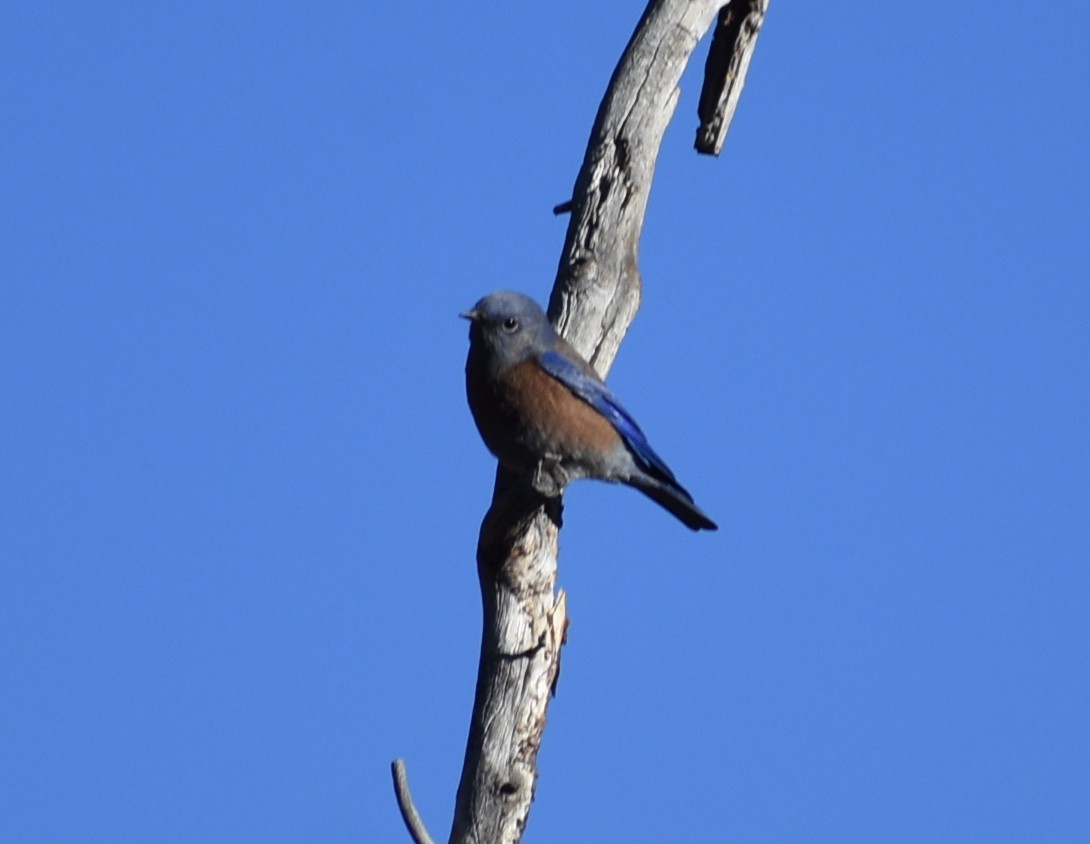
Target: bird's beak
(470, 315)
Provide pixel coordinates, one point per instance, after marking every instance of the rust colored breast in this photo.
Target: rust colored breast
(560, 423)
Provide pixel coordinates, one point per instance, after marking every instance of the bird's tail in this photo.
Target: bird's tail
(677, 500)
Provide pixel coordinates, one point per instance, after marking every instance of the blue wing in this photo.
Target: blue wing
(595, 393)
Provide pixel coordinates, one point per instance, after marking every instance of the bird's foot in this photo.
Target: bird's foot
(549, 478)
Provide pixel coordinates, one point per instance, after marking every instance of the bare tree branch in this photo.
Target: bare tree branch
(524, 623)
(594, 299)
(733, 43)
(597, 289)
(405, 803)
(595, 296)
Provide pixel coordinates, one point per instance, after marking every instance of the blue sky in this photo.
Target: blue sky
(241, 490)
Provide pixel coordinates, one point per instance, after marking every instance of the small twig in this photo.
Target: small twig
(413, 822)
(564, 207)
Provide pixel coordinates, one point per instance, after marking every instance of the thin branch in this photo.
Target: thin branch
(732, 47)
(413, 822)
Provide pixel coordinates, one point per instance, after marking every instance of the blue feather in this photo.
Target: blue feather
(595, 393)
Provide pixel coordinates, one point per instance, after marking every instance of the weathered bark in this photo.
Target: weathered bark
(594, 299)
(524, 624)
(733, 43)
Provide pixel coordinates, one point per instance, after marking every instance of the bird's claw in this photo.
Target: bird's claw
(549, 478)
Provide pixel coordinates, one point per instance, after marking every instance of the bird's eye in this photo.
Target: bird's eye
(510, 324)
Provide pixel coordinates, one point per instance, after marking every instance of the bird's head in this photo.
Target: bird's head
(508, 327)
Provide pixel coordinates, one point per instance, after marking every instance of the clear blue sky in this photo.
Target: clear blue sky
(241, 490)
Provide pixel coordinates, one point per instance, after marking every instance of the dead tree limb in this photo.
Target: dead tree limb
(594, 299)
(733, 42)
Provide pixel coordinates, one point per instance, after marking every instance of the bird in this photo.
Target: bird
(536, 401)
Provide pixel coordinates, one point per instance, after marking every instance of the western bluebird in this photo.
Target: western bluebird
(537, 402)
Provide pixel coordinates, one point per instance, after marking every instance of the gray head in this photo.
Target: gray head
(507, 328)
